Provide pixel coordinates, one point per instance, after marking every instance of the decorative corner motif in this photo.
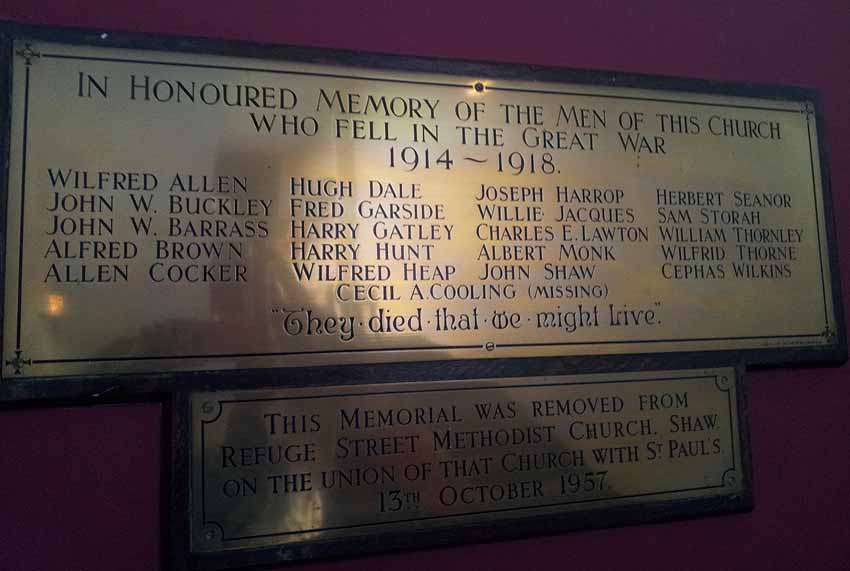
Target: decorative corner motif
(213, 532)
(730, 478)
(828, 334)
(807, 109)
(211, 408)
(29, 53)
(723, 382)
(18, 362)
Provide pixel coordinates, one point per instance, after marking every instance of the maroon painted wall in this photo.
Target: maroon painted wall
(80, 487)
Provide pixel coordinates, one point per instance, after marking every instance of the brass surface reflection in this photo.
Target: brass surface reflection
(300, 465)
(181, 212)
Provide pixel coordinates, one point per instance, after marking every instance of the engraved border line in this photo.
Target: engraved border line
(400, 349)
(817, 219)
(23, 205)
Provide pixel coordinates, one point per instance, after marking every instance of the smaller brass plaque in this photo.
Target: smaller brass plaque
(299, 466)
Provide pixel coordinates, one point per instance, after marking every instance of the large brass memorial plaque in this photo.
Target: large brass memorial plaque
(300, 466)
(170, 211)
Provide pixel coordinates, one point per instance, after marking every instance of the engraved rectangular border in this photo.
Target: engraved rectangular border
(140, 384)
(515, 524)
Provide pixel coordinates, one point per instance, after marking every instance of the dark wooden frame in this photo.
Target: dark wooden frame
(130, 385)
(136, 384)
(172, 390)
